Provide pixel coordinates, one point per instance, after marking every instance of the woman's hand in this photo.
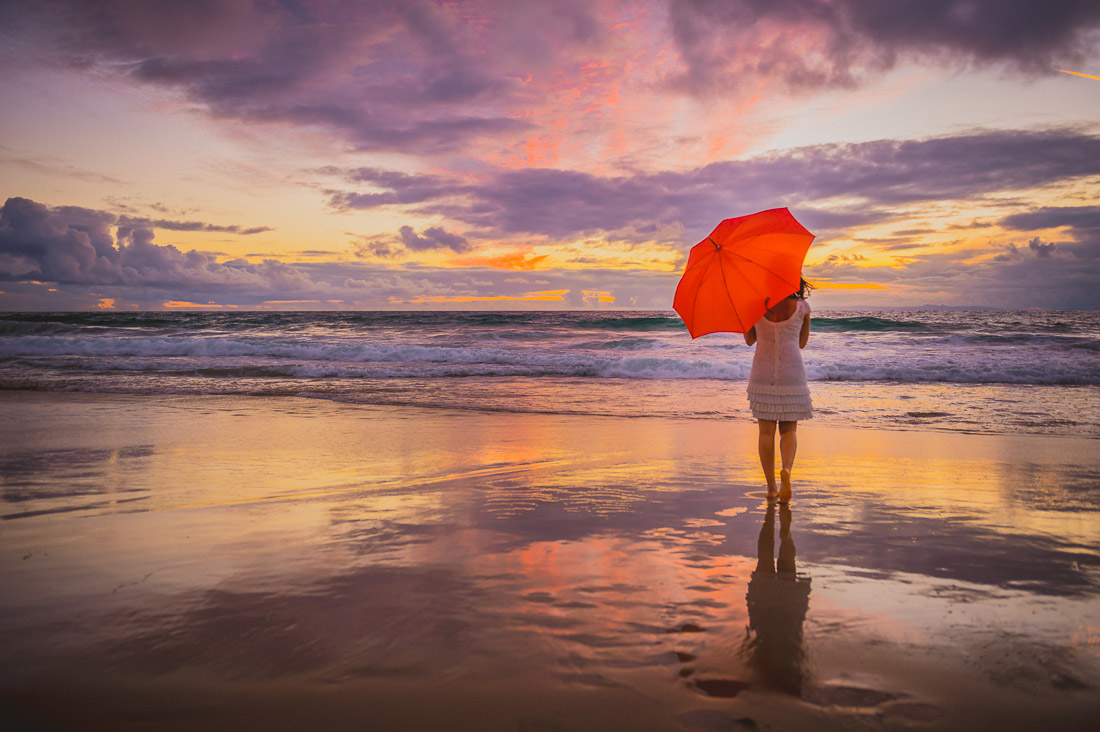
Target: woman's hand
(750, 336)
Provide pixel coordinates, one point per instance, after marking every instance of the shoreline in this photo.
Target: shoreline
(739, 417)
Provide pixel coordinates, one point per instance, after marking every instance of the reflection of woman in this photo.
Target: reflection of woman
(778, 599)
(778, 393)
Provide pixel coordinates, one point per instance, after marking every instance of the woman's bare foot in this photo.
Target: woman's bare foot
(785, 489)
(772, 492)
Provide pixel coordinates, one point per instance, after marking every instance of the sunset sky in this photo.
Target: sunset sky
(307, 154)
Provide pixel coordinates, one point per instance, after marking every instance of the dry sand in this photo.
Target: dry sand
(235, 563)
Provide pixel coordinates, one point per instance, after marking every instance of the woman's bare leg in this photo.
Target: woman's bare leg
(788, 445)
(767, 453)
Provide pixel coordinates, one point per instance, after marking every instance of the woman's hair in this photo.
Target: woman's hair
(803, 291)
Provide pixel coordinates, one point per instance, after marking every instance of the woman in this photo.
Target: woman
(778, 393)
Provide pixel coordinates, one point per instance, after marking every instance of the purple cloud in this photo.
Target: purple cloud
(434, 237)
(883, 175)
(72, 245)
(1041, 249)
(835, 43)
(397, 188)
(169, 225)
(1082, 221)
(405, 75)
(73, 249)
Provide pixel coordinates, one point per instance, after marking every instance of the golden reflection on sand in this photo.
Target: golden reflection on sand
(536, 563)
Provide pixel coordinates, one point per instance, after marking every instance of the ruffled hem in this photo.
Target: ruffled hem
(795, 400)
(781, 408)
(782, 415)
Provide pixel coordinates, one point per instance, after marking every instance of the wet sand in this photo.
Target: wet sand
(235, 563)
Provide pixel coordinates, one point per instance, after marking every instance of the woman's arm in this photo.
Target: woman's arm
(750, 336)
(804, 334)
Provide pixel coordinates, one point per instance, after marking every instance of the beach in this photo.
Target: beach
(232, 562)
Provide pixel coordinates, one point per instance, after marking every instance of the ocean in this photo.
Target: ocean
(962, 370)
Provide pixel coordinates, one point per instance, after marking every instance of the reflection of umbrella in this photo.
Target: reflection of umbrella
(744, 267)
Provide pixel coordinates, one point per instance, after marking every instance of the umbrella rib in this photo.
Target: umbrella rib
(748, 281)
(726, 289)
(699, 261)
(695, 300)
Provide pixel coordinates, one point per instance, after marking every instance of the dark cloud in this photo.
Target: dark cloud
(882, 176)
(1011, 252)
(1082, 221)
(68, 245)
(1040, 248)
(427, 77)
(394, 188)
(131, 222)
(1051, 217)
(71, 245)
(831, 43)
(73, 250)
(1014, 278)
(384, 246)
(407, 75)
(379, 248)
(434, 237)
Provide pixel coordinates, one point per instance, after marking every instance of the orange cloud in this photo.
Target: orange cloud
(512, 260)
(185, 304)
(549, 295)
(106, 303)
(849, 286)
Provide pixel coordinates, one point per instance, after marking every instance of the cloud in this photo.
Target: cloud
(1082, 221)
(71, 245)
(385, 246)
(433, 237)
(881, 177)
(408, 75)
(1042, 250)
(67, 258)
(524, 82)
(131, 222)
(808, 44)
(968, 276)
(390, 188)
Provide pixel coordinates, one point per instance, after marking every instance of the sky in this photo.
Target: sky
(553, 154)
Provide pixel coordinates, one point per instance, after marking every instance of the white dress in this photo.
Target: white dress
(777, 383)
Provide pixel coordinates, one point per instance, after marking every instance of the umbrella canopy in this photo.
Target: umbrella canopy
(744, 267)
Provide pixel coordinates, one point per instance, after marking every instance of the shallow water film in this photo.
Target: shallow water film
(225, 562)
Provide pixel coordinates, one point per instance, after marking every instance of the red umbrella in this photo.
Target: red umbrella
(744, 267)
